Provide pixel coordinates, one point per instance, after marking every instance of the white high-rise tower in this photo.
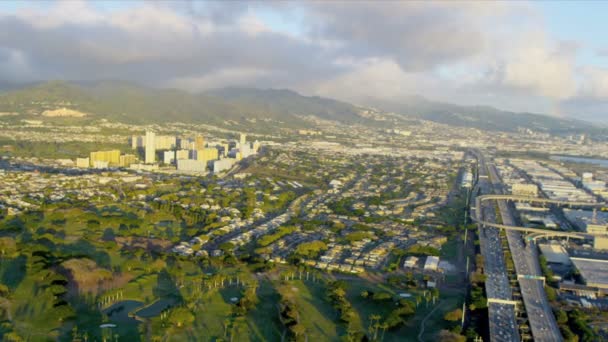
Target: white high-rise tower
(150, 147)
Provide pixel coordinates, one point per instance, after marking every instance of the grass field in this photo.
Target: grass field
(315, 311)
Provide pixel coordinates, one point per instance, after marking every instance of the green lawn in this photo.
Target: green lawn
(316, 313)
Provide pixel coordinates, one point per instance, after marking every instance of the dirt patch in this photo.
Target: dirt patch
(132, 243)
(86, 277)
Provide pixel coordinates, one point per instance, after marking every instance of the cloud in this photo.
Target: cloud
(491, 53)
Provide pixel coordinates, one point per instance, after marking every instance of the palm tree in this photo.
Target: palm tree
(374, 327)
(383, 326)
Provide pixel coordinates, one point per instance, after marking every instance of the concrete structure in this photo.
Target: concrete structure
(150, 145)
(182, 154)
(410, 262)
(593, 271)
(111, 157)
(83, 162)
(191, 165)
(100, 164)
(222, 165)
(207, 154)
(431, 263)
(137, 141)
(525, 190)
(126, 160)
(169, 157)
(591, 222)
(555, 253)
(199, 142)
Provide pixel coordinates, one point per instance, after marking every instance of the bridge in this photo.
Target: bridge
(537, 231)
(502, 301)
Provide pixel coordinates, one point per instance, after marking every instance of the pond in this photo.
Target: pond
(155, 308)
(119, 312)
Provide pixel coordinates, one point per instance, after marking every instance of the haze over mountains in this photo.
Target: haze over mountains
(132, 103)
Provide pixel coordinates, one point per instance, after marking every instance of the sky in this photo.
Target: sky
(545, 57)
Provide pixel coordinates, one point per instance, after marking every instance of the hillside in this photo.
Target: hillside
(127, 102)
(259, 109)
(289, 102)
(483, 117)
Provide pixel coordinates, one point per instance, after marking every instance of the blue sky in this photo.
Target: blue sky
(581, 21)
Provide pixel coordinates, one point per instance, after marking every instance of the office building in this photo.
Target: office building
(222, 165)
(112, 157)
(150, 144)
(169, 157)
(207, 154)
(191, 165)
(83, 162)
(199, 142)
(137, 141)
(126, 160)
(182, 154)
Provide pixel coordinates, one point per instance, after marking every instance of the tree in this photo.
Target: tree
(448, 336)
(298, 329)
(453, 316)
(181, 317)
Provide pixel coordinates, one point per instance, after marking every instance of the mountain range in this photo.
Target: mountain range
(257, 108)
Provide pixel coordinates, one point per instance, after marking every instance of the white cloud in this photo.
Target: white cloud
(466, 52)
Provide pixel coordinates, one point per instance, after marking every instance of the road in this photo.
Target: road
(525, 257)
(502, 317)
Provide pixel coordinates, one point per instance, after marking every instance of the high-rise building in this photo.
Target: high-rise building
(207, 154)
(200, 142)
(182, 154)
(137, 141)
(243, 139)
(165, 142)
(150, 147)
(169, 157)
(112, 158)
(126, 160)
(191, 165)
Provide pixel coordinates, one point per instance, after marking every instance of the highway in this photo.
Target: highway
(525, 257)
(547, 232)
(502, 317)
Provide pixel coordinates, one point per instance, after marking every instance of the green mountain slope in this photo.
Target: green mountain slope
(130, 103)
(482, 117)
(256, 108)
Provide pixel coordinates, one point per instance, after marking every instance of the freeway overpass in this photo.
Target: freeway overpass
(545, 232)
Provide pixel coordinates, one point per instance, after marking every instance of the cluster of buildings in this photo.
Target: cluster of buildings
(193, 154)
(564, 261)
(27, 190)
(552, 181)
(190, 155)
(105, 159)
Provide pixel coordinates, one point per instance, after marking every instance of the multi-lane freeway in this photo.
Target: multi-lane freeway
(525, 257)
(501, 312)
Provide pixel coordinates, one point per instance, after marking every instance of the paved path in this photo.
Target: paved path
(423, 323)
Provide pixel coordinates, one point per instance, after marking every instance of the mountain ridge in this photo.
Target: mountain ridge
(132, 103)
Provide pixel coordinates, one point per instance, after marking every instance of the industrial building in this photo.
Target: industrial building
(593, 271)
(529, 190)
(555, 253)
